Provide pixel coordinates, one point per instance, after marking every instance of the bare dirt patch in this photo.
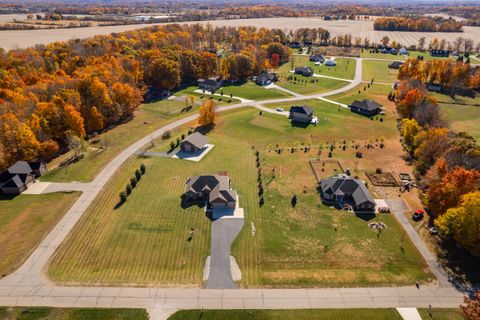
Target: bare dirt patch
(384, 179)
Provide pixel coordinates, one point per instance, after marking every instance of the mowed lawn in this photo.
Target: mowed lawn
(463, 118)
(376, 92)
(24, 221)
(145, 240)
(379, 71)
(441, 314)
(345, 68)
(72, 314)
(310, 314)
(311, 85)
(252, 91)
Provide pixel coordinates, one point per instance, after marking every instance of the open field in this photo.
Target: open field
(22, 39)
(376, 92)
(310, 85)
(24, 222)
(312, 314)
(72, 314)
(145, 240)
(379, 71)
(252, 91)
(344, 69)
(463, 118)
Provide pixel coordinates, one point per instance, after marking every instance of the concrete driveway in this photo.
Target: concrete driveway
(224, 231)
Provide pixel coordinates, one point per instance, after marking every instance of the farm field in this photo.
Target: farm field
(24, 221)
(357, 28)
(72, 314)
(309, 245)
(379, 71)
(311, 314)
(148, 117)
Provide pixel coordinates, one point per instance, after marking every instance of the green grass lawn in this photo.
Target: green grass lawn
(310, 314)
(220, 101)
(377, 92)
(72, 314)
(145, 240)
(379, 71)
(252, 91)
(24, 222)
(441, 314)
(463, 118)
(344, 69)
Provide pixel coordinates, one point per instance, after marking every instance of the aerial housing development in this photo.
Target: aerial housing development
(239, 160)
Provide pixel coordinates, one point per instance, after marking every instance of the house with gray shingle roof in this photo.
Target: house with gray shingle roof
(345, 190)
(212, 189)
(194, 142)
(20, 175)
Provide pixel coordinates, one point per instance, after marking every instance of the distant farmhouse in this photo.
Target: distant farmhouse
(266, 78)
(403, 51)
(304, 71)
(317, 58)
(301, 114)
(395, 65)
(330, 63)
(343, 190)
(434, 87)
(214, 190)
(20, 176)
(210, 84)
(439, 53)
(194, 142)
(295, 45)
(366, 107)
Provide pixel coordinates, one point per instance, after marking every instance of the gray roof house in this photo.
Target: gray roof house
(194, 142)
(317, 58)
(304, 71)
(210, 84)
(395, 65)
(302, 114)
(265, 78)
(366, 107)
(20, 175)
(212, 189)
(345, 190)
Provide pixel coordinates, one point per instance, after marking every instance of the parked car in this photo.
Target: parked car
(383, 209)
(418, 215)
(279, 109)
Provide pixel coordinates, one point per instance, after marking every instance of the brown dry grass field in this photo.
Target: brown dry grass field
(24, 221)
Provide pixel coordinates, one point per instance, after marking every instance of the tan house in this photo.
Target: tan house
(194, 142)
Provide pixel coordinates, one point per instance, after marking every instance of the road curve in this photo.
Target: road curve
(28, 286)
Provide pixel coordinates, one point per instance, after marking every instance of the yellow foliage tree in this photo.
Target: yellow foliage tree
(410, 128)
(463, 222)
(207, 113)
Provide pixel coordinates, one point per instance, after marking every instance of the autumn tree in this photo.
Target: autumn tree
(163, 73)
(429, 146)
(279, 49)
(471, 307)
(448, 191)
(463, 222)
(410, 128)
(207, 113)
(208, 65)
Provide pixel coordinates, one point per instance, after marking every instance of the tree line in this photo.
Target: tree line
(423, 24)
(446, 164)
(53, 95)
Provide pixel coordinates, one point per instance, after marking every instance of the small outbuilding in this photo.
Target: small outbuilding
(366, 107)
(194, 142)
(317, 58)
(403, 51)
(301, 114)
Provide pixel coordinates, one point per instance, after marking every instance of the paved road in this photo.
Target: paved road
(224, 231)
(28, 286)
(398, 209)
